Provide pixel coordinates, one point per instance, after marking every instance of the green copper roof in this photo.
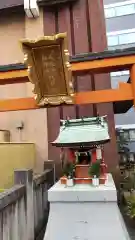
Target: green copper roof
(85, 131)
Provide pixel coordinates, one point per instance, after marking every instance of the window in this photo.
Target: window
(110, 12)
(117, 137)
(132, 135)
(112, 41)
(119, 9)
(125, 10)
(131, 157)
(126, 135)
(121, 37)
(119, 74)
(124, 157)
(122, 135)
(126, 38)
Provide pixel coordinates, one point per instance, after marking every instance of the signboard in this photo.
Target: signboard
(49, 70)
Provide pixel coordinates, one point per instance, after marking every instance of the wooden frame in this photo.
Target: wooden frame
(125, 91)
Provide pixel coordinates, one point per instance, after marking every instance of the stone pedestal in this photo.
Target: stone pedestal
(84, 212)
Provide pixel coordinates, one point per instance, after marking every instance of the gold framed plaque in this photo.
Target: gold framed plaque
(49, 70)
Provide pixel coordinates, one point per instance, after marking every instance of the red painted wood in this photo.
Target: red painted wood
(53, 114)
(102, 81)
(81, 43)
(64, 25)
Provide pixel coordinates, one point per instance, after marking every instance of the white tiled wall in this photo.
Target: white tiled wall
(121, 37)
(119, 9)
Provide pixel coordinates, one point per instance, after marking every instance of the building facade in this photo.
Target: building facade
(120, 27)
(127, 134)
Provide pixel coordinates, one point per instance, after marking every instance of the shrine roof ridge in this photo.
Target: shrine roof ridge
(83, 120)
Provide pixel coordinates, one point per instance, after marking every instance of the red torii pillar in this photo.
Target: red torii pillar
(86, 32)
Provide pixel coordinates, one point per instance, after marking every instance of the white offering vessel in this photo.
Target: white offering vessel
(95, 181)
(70, 182)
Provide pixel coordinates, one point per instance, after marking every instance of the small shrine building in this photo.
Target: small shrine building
(82, 144)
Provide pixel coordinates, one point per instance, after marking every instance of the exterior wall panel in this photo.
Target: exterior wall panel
(13, 27)
(120, 23)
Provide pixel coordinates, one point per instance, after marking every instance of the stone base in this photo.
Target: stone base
(84, 212)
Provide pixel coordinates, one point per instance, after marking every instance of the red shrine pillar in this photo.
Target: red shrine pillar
(93, 155)
(71, 155)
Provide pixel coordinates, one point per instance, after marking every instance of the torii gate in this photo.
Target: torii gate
(104, 62)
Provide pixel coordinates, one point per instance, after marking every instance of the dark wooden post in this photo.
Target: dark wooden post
(25, 177)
